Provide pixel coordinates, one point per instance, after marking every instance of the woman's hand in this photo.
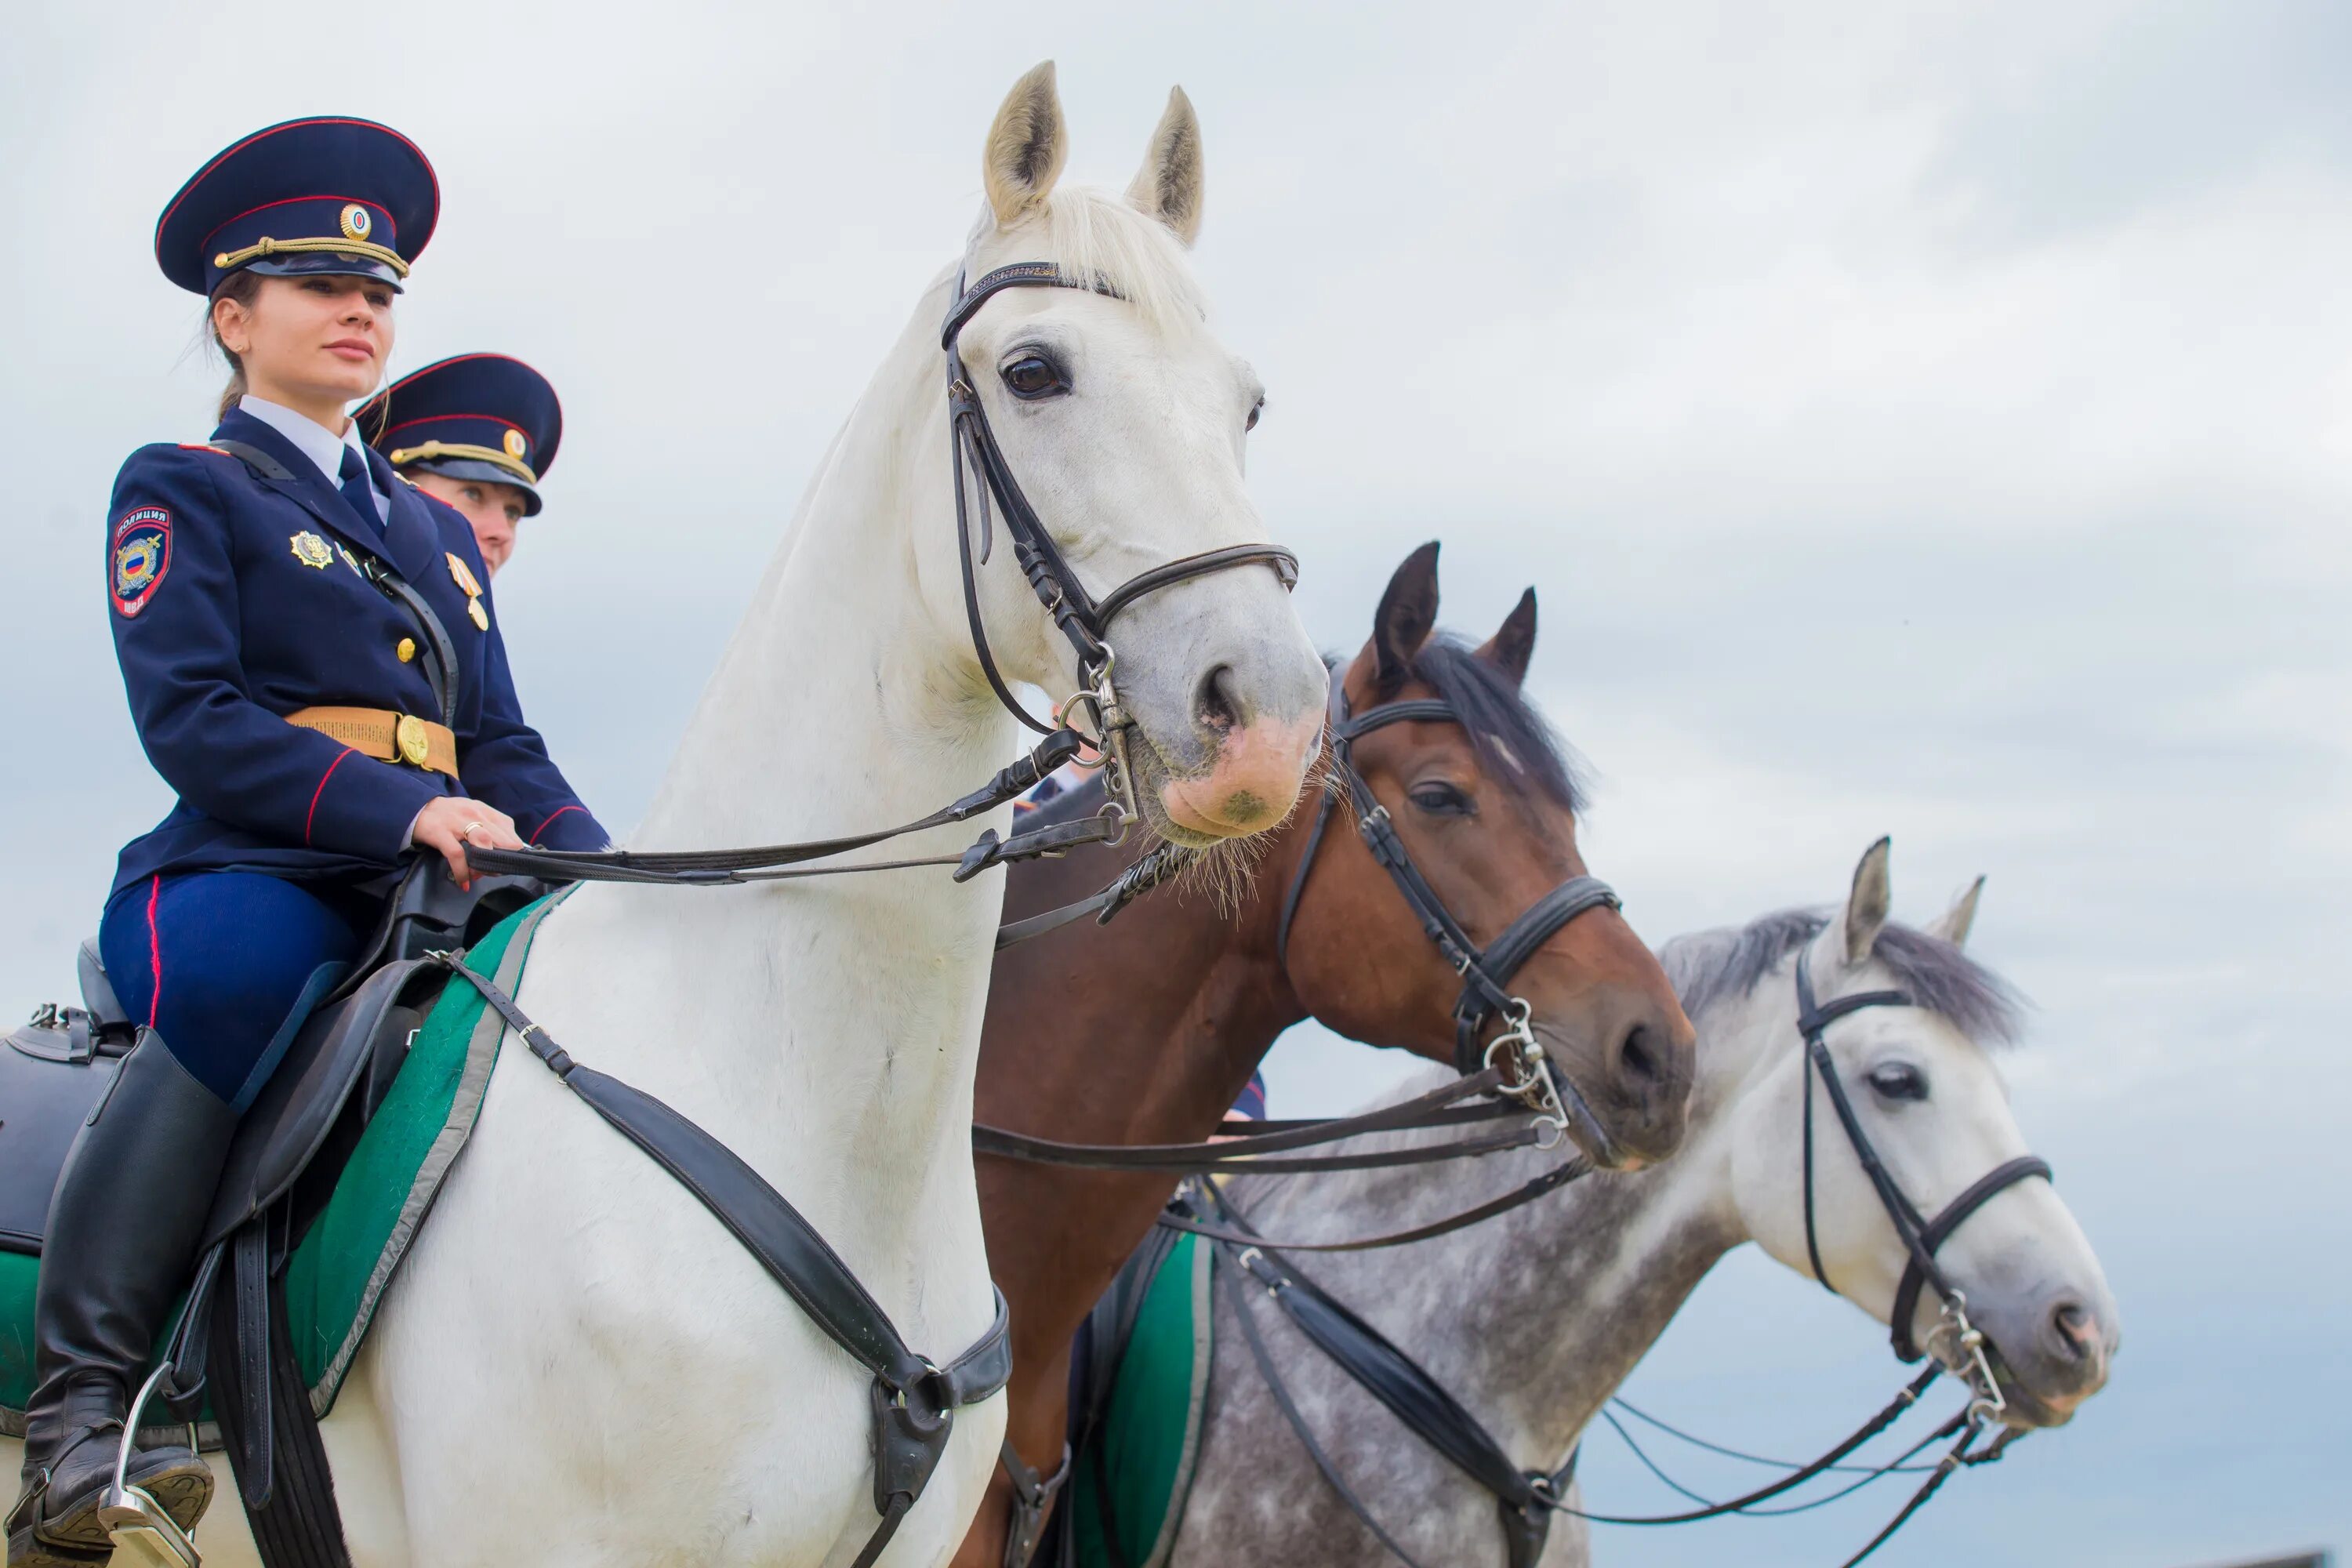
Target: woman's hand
(453, 822)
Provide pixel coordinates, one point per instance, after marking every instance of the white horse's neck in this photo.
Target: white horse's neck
(784, 743)
(840, 1011)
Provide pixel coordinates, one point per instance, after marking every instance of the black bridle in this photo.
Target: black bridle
(1083, 619)
(1921, 1236)
(1485, 972)
(1528, 1497)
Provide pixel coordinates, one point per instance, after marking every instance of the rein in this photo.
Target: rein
(1525, 1497)
(1083, 619)
(1531, 1080)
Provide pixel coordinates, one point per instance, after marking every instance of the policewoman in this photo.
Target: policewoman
(313, 662)
(477, 431)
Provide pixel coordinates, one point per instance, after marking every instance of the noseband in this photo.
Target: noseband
(1921, 1236)
(1083, 619)
(1485, 973)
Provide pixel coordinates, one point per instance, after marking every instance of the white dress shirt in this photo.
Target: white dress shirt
(318, 444)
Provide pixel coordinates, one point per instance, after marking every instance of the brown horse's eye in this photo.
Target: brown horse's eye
(1441, 800)
(1034, 376)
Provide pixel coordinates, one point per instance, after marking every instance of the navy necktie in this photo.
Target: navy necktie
(355, 489)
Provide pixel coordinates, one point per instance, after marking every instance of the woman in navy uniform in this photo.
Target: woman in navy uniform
(476, 430)
(314, 661)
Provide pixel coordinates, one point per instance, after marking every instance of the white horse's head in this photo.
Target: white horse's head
(1933, 1106)
(1124, 421)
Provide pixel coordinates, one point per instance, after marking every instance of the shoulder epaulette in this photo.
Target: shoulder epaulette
(203, 447)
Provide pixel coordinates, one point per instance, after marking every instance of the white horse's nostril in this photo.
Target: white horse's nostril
(1216, 704)
(2077, 1330)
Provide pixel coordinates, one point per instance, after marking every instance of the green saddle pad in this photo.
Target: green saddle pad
(1137, 1469)
(340, 1271)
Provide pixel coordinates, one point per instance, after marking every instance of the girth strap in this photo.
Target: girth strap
(1397, 1381)
(914, 1400)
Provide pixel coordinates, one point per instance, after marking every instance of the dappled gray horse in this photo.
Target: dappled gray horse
(1534, 1319)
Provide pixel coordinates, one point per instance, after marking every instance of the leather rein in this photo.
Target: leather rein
(1512, 1068)
(1083, 619)
(1527, 1497)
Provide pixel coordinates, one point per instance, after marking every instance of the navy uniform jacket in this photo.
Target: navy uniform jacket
(224, 621)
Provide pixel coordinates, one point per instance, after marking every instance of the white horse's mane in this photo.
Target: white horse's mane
(1093, 233)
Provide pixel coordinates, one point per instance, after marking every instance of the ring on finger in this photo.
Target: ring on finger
(467, 831)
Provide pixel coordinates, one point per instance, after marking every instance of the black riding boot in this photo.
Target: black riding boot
(124, 1222)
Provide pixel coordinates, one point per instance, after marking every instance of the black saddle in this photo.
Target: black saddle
(296, 1136)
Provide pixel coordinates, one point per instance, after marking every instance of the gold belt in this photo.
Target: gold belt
(386, 736)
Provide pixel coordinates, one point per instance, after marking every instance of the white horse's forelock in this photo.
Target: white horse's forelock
(1091, 233)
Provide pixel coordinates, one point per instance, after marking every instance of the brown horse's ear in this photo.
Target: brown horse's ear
(1514, 643)
(1408, 613)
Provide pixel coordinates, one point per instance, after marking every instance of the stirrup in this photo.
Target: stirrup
(140, 1527)
(143, 1533)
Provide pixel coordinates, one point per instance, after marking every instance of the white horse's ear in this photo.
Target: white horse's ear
(1953, 926)
(1513, 642)
(1026, 147)
(1866, 907)
(1169, 184)
(1408, 613)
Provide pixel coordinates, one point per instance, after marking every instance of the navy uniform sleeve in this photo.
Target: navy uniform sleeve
(172, 577)
(506, 764)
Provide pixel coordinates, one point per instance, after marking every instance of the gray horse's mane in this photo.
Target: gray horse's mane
(1711, 966)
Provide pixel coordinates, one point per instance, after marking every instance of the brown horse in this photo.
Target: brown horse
(1145, 1031)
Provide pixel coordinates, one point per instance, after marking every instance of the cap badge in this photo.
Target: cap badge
(516, 444)
(356, 222)
(310, 550)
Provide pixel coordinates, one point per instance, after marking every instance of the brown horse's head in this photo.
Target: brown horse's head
(1486, 809)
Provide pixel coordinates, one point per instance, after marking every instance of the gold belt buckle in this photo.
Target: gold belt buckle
(409, 734)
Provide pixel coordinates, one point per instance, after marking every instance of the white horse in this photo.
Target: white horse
(1533, 1320)
(578, 1365)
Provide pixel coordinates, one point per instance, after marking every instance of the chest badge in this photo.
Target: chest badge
(311, 550)
(463, 576)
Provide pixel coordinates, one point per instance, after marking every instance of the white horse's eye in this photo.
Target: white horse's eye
(1033, 375)
(1899, 1080)
(1256, 409)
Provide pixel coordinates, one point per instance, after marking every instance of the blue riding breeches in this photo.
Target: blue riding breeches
(223, 965)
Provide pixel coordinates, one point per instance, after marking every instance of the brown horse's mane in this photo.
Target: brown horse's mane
(1515, 744)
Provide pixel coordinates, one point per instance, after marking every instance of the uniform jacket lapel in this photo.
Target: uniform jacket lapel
(410, 540)
(309, 489)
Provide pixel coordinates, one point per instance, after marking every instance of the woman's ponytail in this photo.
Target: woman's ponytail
(242, 286)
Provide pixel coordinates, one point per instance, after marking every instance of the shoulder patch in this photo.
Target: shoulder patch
(142, 555)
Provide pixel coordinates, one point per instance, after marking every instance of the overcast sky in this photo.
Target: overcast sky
(1933, 420)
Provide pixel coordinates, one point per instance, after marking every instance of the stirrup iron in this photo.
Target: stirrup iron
(142, 1533)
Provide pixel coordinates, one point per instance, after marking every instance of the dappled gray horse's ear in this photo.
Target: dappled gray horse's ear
(1954, 924)
(1868, 905)
(1026, 147)
(1514, 643)
(1169, 184)
(1408, 613)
